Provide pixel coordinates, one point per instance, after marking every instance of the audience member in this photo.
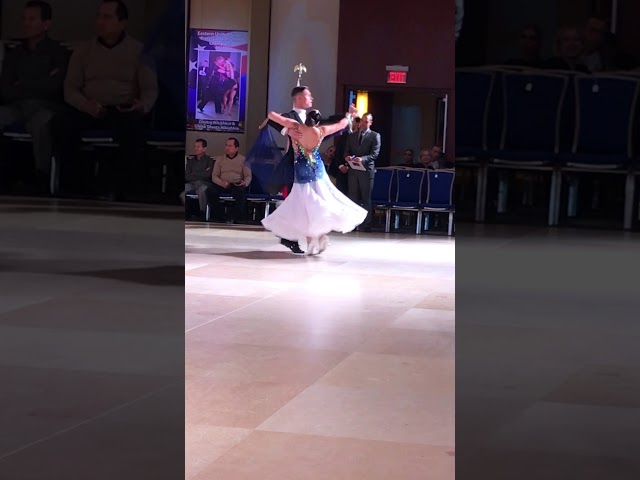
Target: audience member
(529, 43)
(197, 175)
(31, 85)
(363, 148)
(569, 49)
(408, 158)
(425, 159)
(340, 174)
(328, 158)
(231, 177)
(111, 85)
(601, 52)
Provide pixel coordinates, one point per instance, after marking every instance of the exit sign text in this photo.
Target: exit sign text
(396, 77)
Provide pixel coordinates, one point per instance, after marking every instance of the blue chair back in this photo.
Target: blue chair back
(439, 188)
(605, 111)
(473, 93)
(382, 185)
(409, 185)
(532, 110)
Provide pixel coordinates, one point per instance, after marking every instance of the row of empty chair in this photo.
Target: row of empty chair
(398, 189)
(395, 189)
(555, 121)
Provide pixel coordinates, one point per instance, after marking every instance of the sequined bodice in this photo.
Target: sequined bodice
(308, 164)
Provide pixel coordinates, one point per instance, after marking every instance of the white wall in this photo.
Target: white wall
(303, 31)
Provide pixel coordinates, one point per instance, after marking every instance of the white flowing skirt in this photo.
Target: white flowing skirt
(314, 209)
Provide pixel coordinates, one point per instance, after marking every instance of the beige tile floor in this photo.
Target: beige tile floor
(339, 366)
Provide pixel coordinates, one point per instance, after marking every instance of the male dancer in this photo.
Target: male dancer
(302, 99)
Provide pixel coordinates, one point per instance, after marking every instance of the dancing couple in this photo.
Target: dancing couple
(219, 85)
(314, 207)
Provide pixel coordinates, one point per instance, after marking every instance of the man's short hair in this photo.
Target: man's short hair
(297, 90)
(202, 141)
(236, 143)
(45, 9)
(122, 12)
(368, 114)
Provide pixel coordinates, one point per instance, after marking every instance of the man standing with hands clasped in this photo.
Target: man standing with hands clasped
(363, 147)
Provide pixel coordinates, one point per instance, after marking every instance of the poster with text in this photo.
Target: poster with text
(217, 80)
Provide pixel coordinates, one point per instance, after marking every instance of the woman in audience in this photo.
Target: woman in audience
(328, 159)
(529, 43)
(569, 50)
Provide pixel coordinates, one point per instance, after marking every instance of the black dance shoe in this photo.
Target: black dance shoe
(291, 245)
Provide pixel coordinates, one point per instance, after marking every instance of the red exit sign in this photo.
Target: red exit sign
(396, 77)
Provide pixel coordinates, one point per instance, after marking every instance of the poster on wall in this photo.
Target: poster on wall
(217, 80)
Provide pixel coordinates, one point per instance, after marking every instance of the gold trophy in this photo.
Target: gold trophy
(300, 68)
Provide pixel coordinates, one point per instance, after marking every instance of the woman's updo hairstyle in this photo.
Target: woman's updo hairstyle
(313, 118)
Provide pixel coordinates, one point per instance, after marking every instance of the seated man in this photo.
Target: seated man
(197, 175)
(112, 86)
(230, 177)
(31, 85)
(439, 161)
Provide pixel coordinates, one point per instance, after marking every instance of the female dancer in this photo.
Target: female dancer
(314, 207)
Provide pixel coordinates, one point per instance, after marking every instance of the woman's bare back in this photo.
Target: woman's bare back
(311, 136)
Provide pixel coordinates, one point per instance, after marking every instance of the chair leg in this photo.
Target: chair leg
(419, 223)
(267, 206)
(572, 204)
(481, 193)
(629, 194)
(164, 178)
(387, 221)
(556, 213)
(554, 199)
(207, 214)
(503, 192)
(53, 178)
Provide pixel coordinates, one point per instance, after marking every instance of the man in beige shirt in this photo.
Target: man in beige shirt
(111, 86)
(231, 178)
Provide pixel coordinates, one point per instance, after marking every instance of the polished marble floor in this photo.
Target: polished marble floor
(337, 366)
(547, 335)
(91, 338)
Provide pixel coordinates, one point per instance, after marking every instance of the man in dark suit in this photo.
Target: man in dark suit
(302, 99)
(363, 147)
(204, 72)
(342, 180)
